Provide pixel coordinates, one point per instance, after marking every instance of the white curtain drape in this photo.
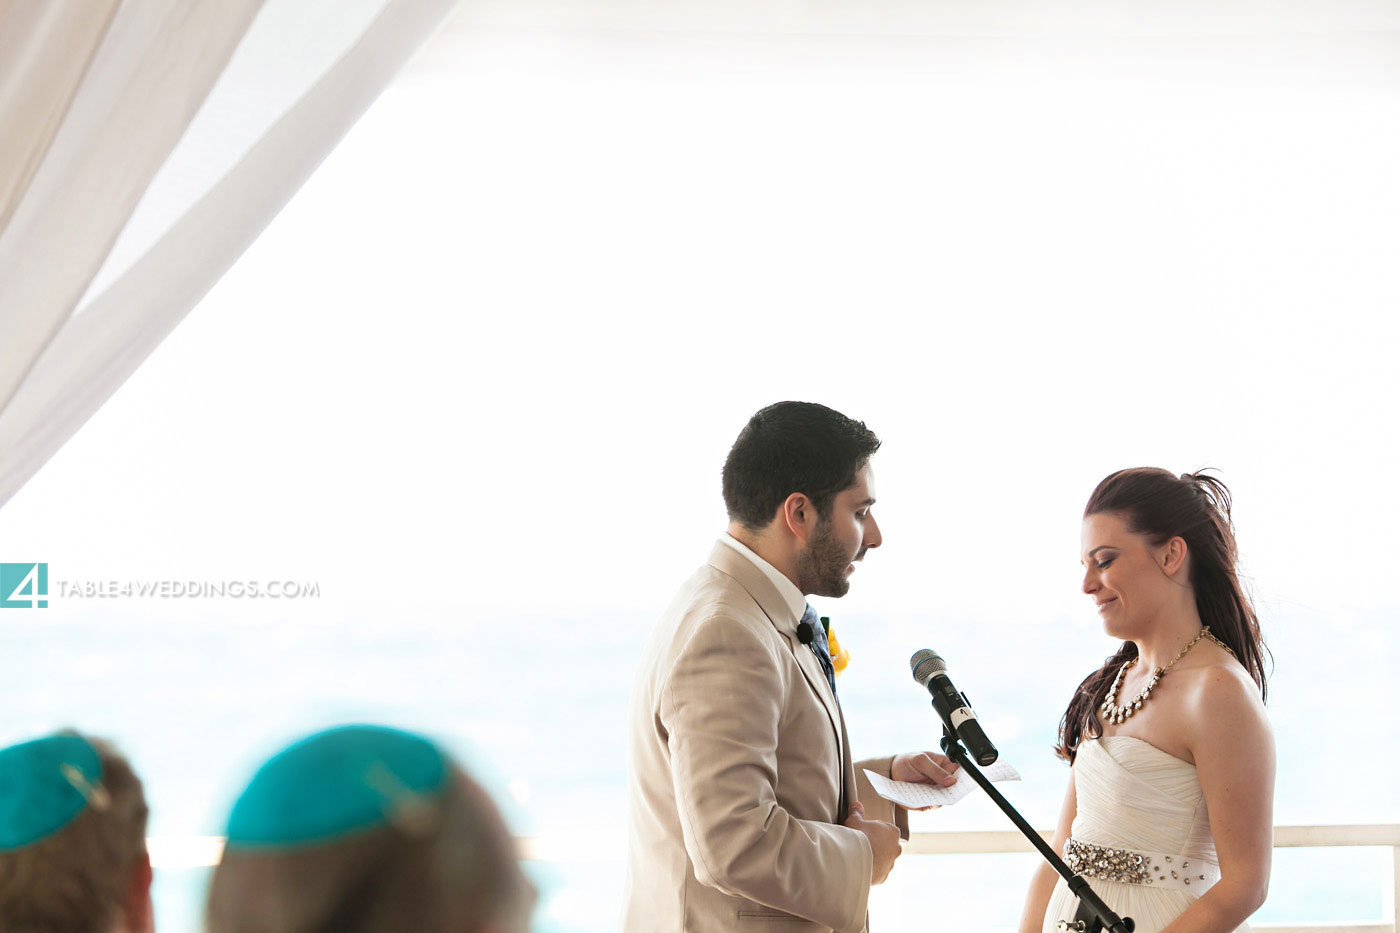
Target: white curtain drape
(94, 97)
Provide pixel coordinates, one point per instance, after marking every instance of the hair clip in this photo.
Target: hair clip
(410, 811)
(95, 794)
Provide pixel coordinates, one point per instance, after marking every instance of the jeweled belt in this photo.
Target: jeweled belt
(1131, 867)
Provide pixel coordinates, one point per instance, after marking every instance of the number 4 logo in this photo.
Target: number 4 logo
(24, 586)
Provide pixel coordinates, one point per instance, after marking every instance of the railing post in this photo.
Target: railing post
(1389, 888)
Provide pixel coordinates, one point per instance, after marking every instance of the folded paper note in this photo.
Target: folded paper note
(914, 796)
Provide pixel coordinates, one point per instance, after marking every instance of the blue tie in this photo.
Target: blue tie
(819, 645)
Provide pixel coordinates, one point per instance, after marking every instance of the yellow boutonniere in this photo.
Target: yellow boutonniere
(840, 657)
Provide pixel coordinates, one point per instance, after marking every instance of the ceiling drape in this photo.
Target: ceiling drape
(94, 97)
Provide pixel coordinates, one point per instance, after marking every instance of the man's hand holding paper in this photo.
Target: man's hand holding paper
(918, 795)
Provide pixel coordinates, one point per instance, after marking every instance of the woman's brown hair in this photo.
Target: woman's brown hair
(1162, 506)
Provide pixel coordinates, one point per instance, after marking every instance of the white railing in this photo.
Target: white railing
(204, 851)
(1385, 836)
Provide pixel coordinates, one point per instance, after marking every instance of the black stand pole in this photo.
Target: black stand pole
(1093, 915)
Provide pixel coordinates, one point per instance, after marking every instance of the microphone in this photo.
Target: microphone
(952, 706)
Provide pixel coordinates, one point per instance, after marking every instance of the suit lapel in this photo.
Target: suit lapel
(848, 770)
(816, 679)
(726, 560)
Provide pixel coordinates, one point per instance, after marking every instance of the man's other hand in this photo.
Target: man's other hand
(884, 842)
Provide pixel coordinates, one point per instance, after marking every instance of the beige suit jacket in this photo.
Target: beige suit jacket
(740, 771)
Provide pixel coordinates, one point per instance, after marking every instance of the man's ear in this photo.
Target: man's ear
(1173, 556)
(799, 515)
(140, 912)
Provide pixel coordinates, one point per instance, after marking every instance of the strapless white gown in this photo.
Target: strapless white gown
(1131, 795)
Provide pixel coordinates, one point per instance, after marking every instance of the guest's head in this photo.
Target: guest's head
(798, 476)
(1157, 548)
(72, 839)
(366, 829)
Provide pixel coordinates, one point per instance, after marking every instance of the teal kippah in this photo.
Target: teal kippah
(44, 785)
(337, 782)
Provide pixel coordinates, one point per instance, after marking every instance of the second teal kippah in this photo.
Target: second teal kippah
(334, 783)
(44, 785)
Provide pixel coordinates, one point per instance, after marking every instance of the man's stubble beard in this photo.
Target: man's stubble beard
(821, 568)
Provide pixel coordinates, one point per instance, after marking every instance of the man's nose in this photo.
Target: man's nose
(873, 538)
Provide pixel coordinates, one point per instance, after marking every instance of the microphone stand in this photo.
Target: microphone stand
(1093, 915)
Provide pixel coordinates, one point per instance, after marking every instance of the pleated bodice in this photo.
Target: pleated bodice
(1132, 795)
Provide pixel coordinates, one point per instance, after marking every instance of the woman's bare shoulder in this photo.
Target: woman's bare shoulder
(1221, 694)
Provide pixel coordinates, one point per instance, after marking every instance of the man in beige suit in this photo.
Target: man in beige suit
(745, 810)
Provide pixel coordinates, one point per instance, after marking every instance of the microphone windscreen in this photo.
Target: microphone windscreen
(925, 664)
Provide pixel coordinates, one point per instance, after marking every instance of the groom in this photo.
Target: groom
(745, 809)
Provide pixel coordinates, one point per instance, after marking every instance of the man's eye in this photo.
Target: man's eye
(861, 514)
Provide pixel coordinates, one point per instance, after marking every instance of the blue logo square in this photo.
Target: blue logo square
(24, 586)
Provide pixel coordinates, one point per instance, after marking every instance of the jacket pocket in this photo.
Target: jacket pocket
(760, 914)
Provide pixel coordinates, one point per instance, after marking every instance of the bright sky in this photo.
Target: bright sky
(495, 351)
(487, 364)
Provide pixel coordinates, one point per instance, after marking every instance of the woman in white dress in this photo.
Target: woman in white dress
(1169, 811)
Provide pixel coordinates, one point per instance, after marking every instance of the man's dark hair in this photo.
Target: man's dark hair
(793, 447)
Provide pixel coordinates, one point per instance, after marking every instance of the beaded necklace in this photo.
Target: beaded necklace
(1115, 713)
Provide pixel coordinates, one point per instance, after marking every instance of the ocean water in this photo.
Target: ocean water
(536, 708)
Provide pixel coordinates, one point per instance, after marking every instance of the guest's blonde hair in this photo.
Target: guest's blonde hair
(77, 880)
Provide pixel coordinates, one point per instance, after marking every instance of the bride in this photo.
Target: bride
(1169, 811)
